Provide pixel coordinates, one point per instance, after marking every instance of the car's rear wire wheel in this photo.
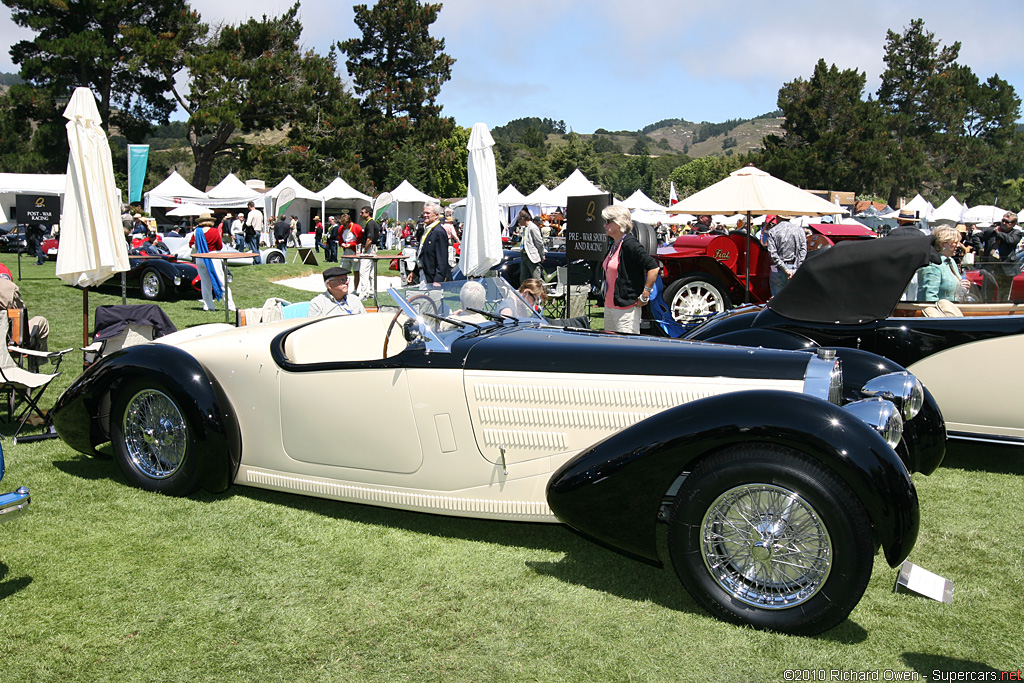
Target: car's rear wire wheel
(153, 440)
(765, 535)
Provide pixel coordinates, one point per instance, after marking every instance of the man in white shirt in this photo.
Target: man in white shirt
(238, 231)
(253, 229)
(336, 300)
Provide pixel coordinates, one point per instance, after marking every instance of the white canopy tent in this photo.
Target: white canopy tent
(408, 202)
(341, 195)
(576, 185)
(638, 201)
(13, 184)
(173, 191)
(950, 212)
(233, 193)
(922, 207)
(304, 198)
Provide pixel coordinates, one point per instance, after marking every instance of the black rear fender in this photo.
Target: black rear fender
(612, 492)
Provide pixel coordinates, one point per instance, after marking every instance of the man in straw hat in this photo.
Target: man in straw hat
(208, 238)
(336, 300)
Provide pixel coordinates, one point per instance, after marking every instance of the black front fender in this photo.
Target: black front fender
(612, 492)
(217, 437)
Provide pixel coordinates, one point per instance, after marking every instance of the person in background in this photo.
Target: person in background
(535, 293)
(533, 249)
(432, 257)
(238, 231)
(253, 228)
(336, 300)
(629, 273)
(331, 240)
(350, 238)
(942, 280)
(997, 244)
(371, 235)
(208, 239)
(38, 326)
(34, 235)
(318, 234)
(282, 230)
(787, 248)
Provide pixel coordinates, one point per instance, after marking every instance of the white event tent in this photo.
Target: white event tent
(638, 201)
(922, 207)
(340, 194)
(408, 202)
(304, 198)
(232, 193)
(576, 185)
(13, 184)
(983, 213)
(172, 192)
(950, 212)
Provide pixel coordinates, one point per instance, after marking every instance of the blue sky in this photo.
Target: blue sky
(627, 63)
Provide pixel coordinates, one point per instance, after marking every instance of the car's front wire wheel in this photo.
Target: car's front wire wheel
(767, 536)
(152, 439)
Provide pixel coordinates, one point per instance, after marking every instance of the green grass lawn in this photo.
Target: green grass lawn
(103, 582)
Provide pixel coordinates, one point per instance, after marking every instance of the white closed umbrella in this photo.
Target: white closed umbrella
(481, 236)
(92, 244)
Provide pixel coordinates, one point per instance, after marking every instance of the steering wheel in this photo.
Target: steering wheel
(391, 326)
(425, 301)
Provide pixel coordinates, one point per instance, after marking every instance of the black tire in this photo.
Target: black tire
(275, 257)
(152, 439)
(152, 284)
(727, 527)
(647, 237)
(695, 295)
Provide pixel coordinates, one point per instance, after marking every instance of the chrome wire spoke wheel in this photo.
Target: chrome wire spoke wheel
(766, 546)
(155, 434)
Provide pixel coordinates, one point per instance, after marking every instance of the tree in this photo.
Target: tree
(254, 77)
(832, 135)
(126, 52)
(695, 175)
(398, 69)
(526, 173)
(576, 153)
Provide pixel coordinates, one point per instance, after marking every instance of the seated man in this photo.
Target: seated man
(38, 327)
(472, 295)
(336, 300)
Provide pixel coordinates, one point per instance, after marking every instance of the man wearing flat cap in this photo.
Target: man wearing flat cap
(336, 300)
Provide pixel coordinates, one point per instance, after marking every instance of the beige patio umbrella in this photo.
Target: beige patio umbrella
(754, 192)
(92, 244)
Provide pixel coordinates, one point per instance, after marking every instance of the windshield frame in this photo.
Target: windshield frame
(440, 325)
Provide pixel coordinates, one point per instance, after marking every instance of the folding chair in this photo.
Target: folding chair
(24, 385)
(119, 327)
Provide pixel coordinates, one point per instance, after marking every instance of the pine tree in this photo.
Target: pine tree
(398, 69)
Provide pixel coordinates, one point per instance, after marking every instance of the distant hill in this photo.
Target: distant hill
(678, 136)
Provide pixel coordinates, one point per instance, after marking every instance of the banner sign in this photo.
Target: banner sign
(585, 237)
(138, 156)
(38, 208)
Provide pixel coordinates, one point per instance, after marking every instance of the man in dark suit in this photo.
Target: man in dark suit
(433, 256)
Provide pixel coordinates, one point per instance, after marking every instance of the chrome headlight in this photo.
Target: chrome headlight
(902, 388)
(882, 416)
(824, 377)
(177, 280)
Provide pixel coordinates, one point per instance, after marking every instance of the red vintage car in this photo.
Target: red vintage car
(707, 273)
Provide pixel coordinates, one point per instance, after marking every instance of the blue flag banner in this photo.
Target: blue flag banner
(138, 156)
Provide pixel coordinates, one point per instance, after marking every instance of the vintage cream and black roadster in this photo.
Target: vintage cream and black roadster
(778, 473)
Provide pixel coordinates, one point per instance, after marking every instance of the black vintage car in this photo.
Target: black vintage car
(850, 296)
(160, 275)
(778, 473)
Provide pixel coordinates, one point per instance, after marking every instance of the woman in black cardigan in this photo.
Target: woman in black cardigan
(629, 273)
